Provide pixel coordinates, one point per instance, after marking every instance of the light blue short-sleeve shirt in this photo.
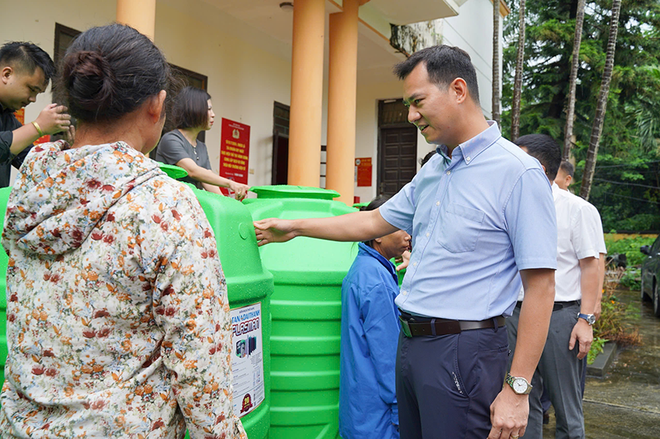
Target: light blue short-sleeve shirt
(476, 219)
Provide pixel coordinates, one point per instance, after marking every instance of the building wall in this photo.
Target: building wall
(246, 71)
(472, 31)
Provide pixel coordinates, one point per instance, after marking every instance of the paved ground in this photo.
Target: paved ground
(625, 404)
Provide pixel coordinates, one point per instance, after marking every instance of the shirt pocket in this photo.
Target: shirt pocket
(460, 228)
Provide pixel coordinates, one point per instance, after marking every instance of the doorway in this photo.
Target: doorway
(397, 147)
(280, 163)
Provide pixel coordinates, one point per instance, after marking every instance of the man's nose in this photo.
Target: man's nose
(413, 115)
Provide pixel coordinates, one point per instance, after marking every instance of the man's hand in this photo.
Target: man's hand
(239, 189)
(273, 230)
(598, 310)
(582, 333)
(508, 414)
(54, 119)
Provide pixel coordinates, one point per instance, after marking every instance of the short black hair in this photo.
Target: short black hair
(544, 149)
(443, 64)
(27, 57)
(373, 205)
(567, 167)
(191, 108)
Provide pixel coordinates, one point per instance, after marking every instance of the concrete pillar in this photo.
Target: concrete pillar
(306, 93)
(139, 14)
(342, 90)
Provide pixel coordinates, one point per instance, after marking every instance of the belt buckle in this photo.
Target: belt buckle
(405, 328)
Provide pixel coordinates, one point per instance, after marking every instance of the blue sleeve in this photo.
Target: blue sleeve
(381, 327)
(400, 209)
(530, 216)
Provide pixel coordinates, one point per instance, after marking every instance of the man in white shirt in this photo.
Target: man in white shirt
(579, 244)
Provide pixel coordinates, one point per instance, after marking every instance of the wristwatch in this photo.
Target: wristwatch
(519, 384)
(590, 318)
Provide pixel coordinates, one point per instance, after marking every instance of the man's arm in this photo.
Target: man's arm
(51, 120)
(352, 227)
(509, 411)
(601, 283)
(582, 331)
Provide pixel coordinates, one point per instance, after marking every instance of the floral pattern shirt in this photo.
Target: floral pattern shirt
(117, 315)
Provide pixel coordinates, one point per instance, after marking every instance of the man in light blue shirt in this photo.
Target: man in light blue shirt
(479, 211)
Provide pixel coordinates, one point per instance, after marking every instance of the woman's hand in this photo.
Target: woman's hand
(239, 189)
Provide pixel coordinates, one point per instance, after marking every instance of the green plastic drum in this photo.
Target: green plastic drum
(249, 286)
(306, 309)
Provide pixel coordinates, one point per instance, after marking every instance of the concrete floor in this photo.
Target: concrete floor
(625, 403)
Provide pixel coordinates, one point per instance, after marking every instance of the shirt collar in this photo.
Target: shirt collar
(476, 145)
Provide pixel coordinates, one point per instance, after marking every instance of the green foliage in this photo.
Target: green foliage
(626, 186)
(610, 326)
(596, 348)
(629, 246)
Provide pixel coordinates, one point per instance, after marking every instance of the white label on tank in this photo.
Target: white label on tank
(247, 358)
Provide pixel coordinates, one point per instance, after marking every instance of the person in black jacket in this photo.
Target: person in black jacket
(25, 70)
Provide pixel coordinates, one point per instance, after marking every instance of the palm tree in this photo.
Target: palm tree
(570, 111)
(601, 106)
(496, 62)
(517, 81)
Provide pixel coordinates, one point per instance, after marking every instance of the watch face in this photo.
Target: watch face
(519, 386)
(591, 319)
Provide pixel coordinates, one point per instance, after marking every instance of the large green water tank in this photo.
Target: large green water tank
(249, 286)
(306, 309)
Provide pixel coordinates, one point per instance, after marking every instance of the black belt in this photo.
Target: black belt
(414, 326)
(561, 305)
(558, 305)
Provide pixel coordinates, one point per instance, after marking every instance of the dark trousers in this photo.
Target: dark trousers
(446, 384)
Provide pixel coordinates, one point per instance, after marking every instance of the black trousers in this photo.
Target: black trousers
(446, 384)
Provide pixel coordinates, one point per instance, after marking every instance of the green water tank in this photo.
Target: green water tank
(249, 286)
(306, 310)
(4, 196)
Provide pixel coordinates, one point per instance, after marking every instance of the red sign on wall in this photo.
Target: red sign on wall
(234, 151)
(363, 167)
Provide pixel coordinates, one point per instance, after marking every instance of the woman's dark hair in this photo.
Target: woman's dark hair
(375, 204)
(109, 71)
(191, 109)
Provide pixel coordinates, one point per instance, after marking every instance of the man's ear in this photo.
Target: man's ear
(460, 89)
(569, 179)
(6, 73)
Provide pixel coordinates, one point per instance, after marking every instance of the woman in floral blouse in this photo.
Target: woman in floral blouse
(118, 320)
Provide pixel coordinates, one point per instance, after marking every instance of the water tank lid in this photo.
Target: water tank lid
(173, 171)
(287, 191)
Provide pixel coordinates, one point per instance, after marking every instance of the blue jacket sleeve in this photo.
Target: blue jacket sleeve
(381, 328)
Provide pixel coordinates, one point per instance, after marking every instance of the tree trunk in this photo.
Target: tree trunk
(570, 111)
(517, 81)
(599, 117)
(496, 62)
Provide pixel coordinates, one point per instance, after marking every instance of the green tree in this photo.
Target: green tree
(624, 179)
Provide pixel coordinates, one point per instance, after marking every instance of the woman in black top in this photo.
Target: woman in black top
(193, 112)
